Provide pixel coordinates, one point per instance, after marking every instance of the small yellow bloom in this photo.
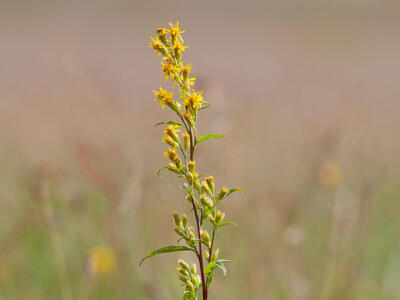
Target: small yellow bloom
(171, 136)
(170, 69)
(186, 71)
(171, 154)
(178, 49)
(157, 46)
(194, 101)
(329, 175)
(175, 31)
(162, 35)
(101, 260)
(164, 98)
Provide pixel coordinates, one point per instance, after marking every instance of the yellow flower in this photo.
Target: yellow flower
(164, 98)
(157, 46)
(194, 101)
(171, 137)
(329, 175)
(162, 35)
(101, 260)
(175, 31)
(169, 68)
(171, 154)
(185, 76)
(178, 49)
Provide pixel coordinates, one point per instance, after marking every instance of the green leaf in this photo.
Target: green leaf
(170, 123)
(166, 250)
(210, 267)
(226, 223)
(209, 136)
(160, 169)
(230, 192)
(204, 107)
(220, 264)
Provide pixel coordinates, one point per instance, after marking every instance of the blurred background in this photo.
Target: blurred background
(306, 94)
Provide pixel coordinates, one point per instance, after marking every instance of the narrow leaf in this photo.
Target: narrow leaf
(232, 191)
(209, 136)
(226, 223)
(166, 250)
(160, 169)
(204, 107)
(170, 123)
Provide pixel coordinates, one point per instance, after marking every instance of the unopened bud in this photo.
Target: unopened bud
(183, 279)
(222, 193)
(189, 198)
(190, 286)
(219, 217)
(207, 255)
(205, 237)
(188, 117)
(205, 188)
(183, 264)
(210, 183)
(206, 201)
(161, 32)
(215, 255)
(177, 219)
(192, 166)
(211, 218)
(191, 233)
(179, 231)
(182, 271)
(173, 168)
(186, 141)
(193, 269)
(184, 220)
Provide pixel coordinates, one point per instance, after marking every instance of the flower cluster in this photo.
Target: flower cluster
(182, 138)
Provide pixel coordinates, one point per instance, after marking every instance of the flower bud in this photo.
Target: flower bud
(189, 198)
(191, 166)
(210, 183)
(219, 217)
(184, 220)
(161, 32)
(190, 286)
(186, 141)
(207, 255)
(211, 218)
(205, 237)
(222, 193)
(171, 132)
(173, 168)
(206, 202)
(182, 271)
(179, 231)
(215, 255)
(193, 269)
(188, 117)
(183, 264)
(182, 278)
(169, 141)
(191, 233)
(205, 188)
(177, 219)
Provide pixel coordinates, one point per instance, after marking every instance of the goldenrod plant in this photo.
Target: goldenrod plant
(182, 137)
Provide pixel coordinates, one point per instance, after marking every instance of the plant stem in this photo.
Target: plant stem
(200, 256)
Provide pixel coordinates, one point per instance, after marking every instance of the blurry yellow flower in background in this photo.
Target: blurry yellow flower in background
(100, 260)
(329, 175)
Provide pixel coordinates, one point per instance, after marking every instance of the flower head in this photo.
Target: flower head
(175, 31)
(157, 46)
(194, 101)
(171, 136)
(178, 49)
(165, 98)
(169, 68)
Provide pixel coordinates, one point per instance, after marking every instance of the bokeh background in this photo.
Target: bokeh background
(307, 95)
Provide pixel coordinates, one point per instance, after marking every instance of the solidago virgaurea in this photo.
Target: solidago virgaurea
(182, 138)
